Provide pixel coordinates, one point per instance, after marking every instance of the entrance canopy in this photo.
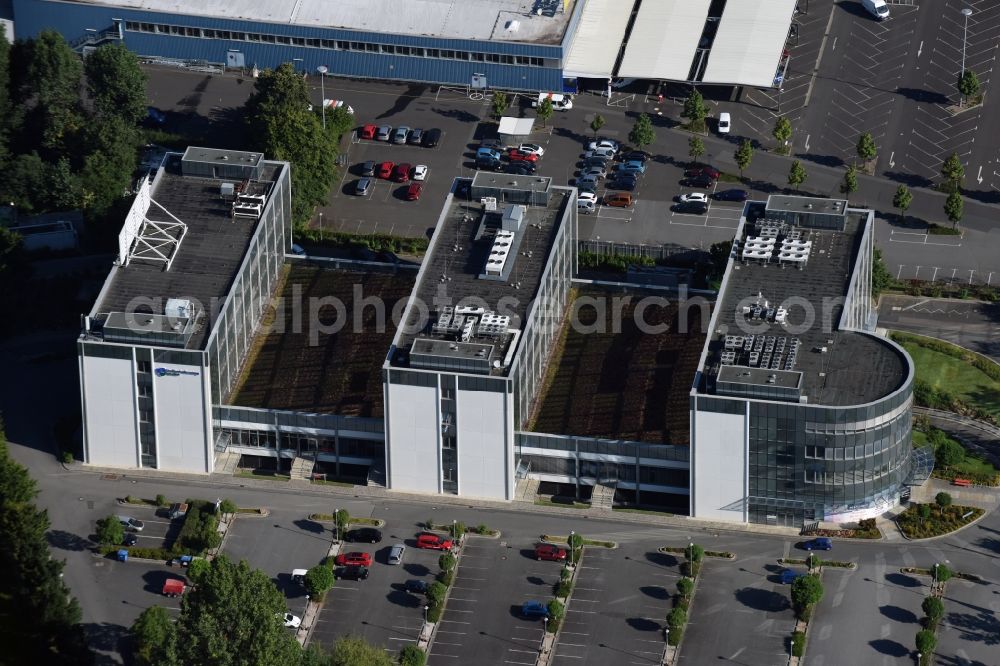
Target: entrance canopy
(516, 126)
(748, 45)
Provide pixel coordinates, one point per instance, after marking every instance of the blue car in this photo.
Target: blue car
(632, 166)
(534, 609)
(788, 576)
(155, 115)
(819, 543)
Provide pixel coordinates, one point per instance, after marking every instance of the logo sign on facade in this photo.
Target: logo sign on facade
(170, 372)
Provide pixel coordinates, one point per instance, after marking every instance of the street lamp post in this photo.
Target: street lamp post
(322, 91)
(426, 608)
(572, 547)
(454, 528)
(336, 525)
(545, 630)
(966, 12)
(934, 578)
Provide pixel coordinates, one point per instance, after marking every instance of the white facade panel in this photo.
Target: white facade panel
(183, 413)
(485, 444)
(413, 432)
(664, 39)
(598, 38)
(110, 418)
(748, 45)
(719, 467)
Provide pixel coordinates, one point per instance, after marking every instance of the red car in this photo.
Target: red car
(546, 551)
(516, 155)
(401, 173)
(433, 541)
(413, 191)
(703, 171)
(385, 170)
(355, 559)
(368, 132)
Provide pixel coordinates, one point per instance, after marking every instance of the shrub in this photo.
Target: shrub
(682, 602)
(943, 574)
(458, 530)
(866, 524)
(798, 643)
(806, 592)
(695, 553)
(318, 580)
(429, 524)
(411, 655)
(228, 506)
(446, 578)
(67, 457)
(161, 500)
(813, 561)
(924, 510)
(557, 610)
(200, 530)
(685, 586)
(110, 531)
(563, 588)
(129, 499)
(482, 529)
(942, 500)
(926, 642)
(677, 617)
(446, 562)
(691, 569)
(434, 613)
(436, 592)
(565, 574)
(674, 636)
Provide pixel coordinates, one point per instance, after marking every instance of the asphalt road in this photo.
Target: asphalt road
(970, 324)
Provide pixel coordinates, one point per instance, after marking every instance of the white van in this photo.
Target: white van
(559, 102)
(876, 8)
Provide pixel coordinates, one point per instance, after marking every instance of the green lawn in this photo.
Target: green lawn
(957, 377)
(972, 467)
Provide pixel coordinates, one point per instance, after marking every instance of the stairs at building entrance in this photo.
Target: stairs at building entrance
(302, 469)
(226, 462)
(603, 497)
(526, 490)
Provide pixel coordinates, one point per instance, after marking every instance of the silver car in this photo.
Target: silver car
(384, 132)
(131, 524)
(586, 182)
(401, 133)
(396, 553)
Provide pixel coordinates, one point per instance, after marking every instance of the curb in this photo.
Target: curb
(447, 595)
(551, 641)
(313, 608)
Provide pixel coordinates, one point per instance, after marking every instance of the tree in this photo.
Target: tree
(642, 133)
(53, 84)
(942, 574)
(116, 82)
(953, 172)
(500, 103)
(356, 651)
(968, 84)
(343, 520)
(544, 110)
(596, 124)
(948, 452)
(5, 115)
(881, 277)
(782, 131)
(318, 580)
(575, 543)
(446, 562)
(926, 642)
(155, 638)
(942, 500)
(953, 208)
(933, 608)
(110, 531)
(720, 253)
(806, 592)
(677, 618)
(685, 586)
(231, 616)
(694, 553)
(557, 610)
(743, 156)
(850, 184)
(695, 111)
(902, 199)
(12, 257)
(279, 120)
(109, 164)
(435, 593)
(696, 148)
(797, 174)
(867, 150)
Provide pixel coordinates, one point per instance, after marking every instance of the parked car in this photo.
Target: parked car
(431, 138)
(368, 168)
(707, 171)
(289, 620)
(363, 535)
(586, 207)
(173, 587)
(534, 609)
(519, 155)
(384, 133)
(691, 207)
(399, 136)
(130, 539)
(589, 181)
(692, 197)
(633, 166)
(299, 576)
(414, 191)
(353, 559)
(369, 132)
(385, 170)
(603, 143)
(416, 586)
(492, 164)
(351, 573)
(416, 137)
(420, 172)
(877, 8)
(635, 156)
(702, 181)
(606, 153)
(788, 576)
(596, 161)
(819, 543)
(725, 123)
(731, 195)
(396, 553)
(520, 168)
(533, 148)
(597, 172)
(619, 199)
(131, 524)
(586, 196)
(550, 552)
(624, 181)
(434, 541)
(155, 116)
(493, 144)
(488, 153)
(401, 173)
(364, 187)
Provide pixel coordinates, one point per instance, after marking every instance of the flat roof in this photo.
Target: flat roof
(798, 204)
(538, 21)
(738, 374)
(749, 42)
(303, 369)
(453, 269)
(838, 367)
(664, 39)
(208, 258)
(597, 40)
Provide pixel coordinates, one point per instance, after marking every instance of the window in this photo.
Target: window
(448, 442)
(298, 41)
(283, 39)
(192, 32)
(358, 46)
(316, 43)
(144, 366)
(433, 53)
(447, 53)
(388, 48)
(403, 50)
(176, 30)
(163, 29)
(345, 46)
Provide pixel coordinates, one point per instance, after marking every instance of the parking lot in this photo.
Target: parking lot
(618, 609)
(158, 530)
(970, 631)
(482, 622)
(379, 609)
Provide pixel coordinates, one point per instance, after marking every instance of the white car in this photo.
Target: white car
(420, 172)
(604, 143)
(600, 152)
(724, 123)
(693, 197)
(584, 197)
(293, 621)
(532, 149)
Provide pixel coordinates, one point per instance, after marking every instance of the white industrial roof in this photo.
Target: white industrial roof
(664, 39)
(749, 42)
(510, 126)
(598, 38)
(457, 19)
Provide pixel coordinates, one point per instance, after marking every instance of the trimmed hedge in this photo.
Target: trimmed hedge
(798, 643)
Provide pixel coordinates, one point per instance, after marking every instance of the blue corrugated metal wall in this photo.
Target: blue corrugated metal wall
(72, 20)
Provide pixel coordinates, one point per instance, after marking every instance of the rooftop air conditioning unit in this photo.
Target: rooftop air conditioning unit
(178, 308)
